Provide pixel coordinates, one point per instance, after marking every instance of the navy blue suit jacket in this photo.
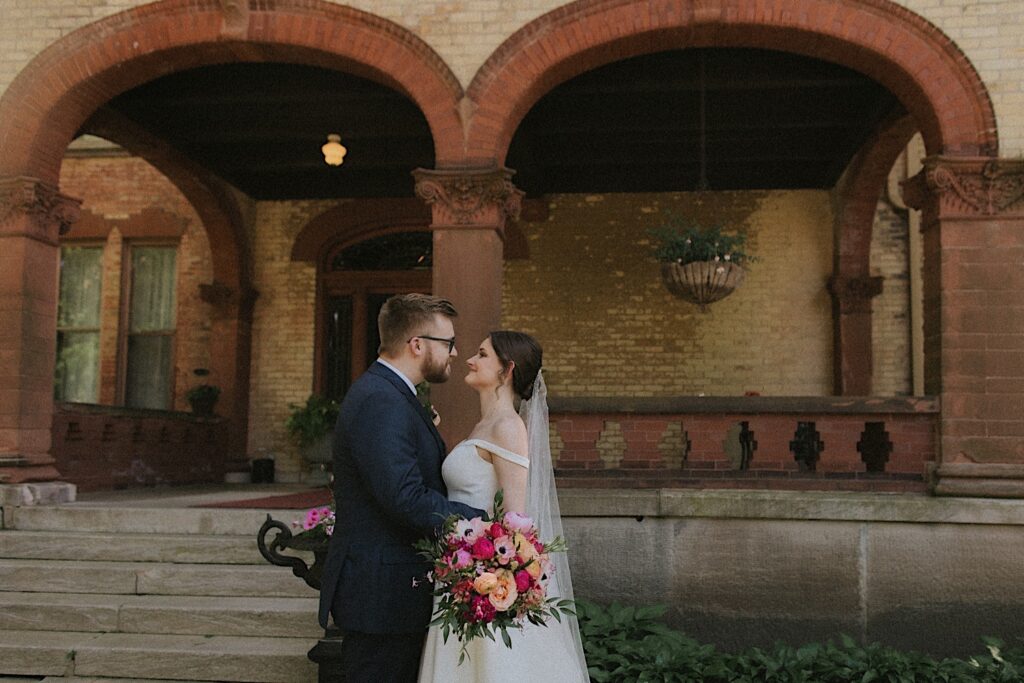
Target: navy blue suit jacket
(388, 493)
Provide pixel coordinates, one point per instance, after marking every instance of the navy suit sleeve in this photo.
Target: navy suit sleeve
(385, 454)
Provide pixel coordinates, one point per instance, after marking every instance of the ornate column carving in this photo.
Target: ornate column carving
(967, 187)
(49, 213)
(469, 198)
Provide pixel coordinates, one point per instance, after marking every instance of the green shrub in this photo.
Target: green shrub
(629, 644)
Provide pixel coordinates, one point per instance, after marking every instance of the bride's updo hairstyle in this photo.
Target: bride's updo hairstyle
(525, 352)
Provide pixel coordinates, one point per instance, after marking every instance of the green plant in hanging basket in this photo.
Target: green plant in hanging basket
(682, 244)
(700, 265)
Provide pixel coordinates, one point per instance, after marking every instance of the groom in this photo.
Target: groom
(388, 493)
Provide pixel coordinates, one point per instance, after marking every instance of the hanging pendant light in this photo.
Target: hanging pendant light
(334, 151)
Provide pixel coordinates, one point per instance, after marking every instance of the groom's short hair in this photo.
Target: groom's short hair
(403, 315)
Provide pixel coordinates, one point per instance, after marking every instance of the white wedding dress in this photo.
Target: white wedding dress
(538, 653)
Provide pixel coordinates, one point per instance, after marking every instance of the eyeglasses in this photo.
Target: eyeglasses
(449, 342)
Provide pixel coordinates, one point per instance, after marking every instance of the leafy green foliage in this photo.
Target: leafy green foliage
(202, 392)
(630, 644)
(310, 421)
(681, 243)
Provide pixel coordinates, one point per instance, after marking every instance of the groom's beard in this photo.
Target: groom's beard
(437, 370)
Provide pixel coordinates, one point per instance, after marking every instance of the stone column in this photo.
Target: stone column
(470, 207)
(33, 214)
(972, 226)
(851, 316)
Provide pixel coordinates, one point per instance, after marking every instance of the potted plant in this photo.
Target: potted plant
(700, 265)
(311, 426)
(202, 398)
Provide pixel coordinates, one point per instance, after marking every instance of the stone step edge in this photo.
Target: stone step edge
(189, 521)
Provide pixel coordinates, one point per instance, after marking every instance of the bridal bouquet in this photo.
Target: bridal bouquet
(491, 576)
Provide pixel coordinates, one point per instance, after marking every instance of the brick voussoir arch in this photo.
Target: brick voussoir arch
(896, 47)
(44, 106)
(356, 221)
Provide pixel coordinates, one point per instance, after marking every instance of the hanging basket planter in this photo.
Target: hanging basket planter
(702, 282)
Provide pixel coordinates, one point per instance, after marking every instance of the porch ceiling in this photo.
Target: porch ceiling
(773, 121)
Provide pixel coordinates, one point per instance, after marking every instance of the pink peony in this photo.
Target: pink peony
(522, 580)
(462, 559)
(517, 521)
(483, 549)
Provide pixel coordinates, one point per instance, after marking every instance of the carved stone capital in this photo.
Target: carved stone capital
(854, 294)
(469, 198)
(969, 187)
(35, 209)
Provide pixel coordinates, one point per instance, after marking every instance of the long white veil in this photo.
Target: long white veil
(542, 503)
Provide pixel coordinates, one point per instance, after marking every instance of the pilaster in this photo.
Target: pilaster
(33, 214)
(973, 239)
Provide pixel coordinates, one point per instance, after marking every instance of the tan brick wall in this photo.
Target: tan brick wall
(466, 32)
(592, 294)
(890, 321)
(117, 188)
(283, 330)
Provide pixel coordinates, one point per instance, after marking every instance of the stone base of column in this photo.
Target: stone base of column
(977, 480)
(42, 493)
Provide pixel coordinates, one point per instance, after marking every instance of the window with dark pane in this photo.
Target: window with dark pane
(399, 251)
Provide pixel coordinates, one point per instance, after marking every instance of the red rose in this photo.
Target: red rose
(496, 530)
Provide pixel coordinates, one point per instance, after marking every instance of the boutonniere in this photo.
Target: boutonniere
(435, 417)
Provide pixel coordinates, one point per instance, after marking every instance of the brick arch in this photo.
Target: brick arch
(357, 221)
(888, 43)
(51, 97)
(852, 285)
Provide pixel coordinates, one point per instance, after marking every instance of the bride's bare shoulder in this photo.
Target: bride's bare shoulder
(510, 433)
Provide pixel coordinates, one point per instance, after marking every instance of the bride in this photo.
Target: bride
(505, 452)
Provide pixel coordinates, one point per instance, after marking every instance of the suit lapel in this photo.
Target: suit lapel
(403, 389)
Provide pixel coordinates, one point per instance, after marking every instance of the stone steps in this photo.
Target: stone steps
(150, 578)
(181, 521)
(184, 615)
(190, 549)
(112, 595)
(149, 657)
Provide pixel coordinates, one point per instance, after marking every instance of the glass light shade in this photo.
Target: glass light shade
(334, 151)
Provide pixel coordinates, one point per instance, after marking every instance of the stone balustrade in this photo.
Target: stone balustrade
(880, 444)
(112, 447)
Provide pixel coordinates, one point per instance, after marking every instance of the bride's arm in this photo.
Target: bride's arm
(512, 477)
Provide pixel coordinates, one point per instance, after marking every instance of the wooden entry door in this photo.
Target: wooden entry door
(352, 288)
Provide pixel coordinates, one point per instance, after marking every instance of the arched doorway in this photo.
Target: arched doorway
(354, 281)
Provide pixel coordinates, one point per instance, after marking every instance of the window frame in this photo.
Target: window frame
(83, 244)
(124, 317)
